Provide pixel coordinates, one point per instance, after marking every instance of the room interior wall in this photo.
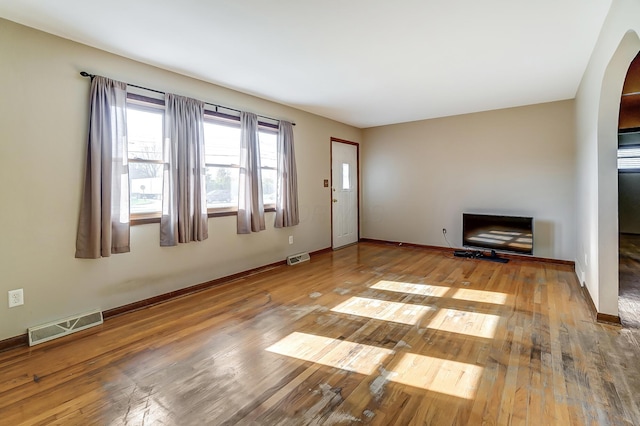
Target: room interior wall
(597, 108)
(420, 177)
(43, 126)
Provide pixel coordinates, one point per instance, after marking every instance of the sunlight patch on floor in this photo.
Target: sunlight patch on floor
(438, 375)
(410, 288)
(467, 294)
(448, 377)
(482, 296)
(464, 322)
(355, 357)
(384, 310)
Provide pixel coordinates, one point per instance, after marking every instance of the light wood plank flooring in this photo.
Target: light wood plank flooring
(629, 293)
(371, 334)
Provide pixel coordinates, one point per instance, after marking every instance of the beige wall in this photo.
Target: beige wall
(43, 123)
(420, 177)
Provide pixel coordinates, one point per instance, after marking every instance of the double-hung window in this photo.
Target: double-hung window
(145, 124)
(269, 165)
(222, 158)
(145, 134)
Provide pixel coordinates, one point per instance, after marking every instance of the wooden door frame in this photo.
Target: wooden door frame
(357, 145)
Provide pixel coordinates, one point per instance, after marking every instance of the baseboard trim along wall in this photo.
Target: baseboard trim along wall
(110, 313)
(451, 249)
(600, 317)
(23, 339)
(14, 342)
(610, 319)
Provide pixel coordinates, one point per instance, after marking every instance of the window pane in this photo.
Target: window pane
(146, 187)
(346, 182)
(628, 163)
(144, 133)
(269, 177)
(222, 186)
(628, 158)
(221, 144)
(269, 162)
(268, 147)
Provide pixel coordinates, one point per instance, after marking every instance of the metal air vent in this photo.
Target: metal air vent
(44, 333)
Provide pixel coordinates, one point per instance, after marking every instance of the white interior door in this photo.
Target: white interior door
(344, 193)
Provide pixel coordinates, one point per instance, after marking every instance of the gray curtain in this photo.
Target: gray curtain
(103, 228)
(287, 189)
(250, 207)
(184, 204)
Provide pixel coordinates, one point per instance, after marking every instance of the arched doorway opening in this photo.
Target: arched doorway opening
(629, 198)
(606, 248)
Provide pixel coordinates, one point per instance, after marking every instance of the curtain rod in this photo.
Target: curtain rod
(86, 74)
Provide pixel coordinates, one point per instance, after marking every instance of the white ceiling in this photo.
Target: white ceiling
(361, 62)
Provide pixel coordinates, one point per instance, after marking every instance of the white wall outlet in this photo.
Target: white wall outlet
(290, 239)
(16, 298)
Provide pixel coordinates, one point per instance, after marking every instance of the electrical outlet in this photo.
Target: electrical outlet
(290, 239)
(444, 230)
(16, 298)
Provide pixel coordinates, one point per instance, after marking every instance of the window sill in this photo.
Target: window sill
(143, 219)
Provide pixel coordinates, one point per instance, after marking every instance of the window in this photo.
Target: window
(269, 165)
(145, 126)
(222, 158)
(629, 159)
(144, 132)
(346, 181)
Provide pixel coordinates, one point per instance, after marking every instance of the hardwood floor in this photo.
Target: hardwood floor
(629, 293)
(370, 334)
